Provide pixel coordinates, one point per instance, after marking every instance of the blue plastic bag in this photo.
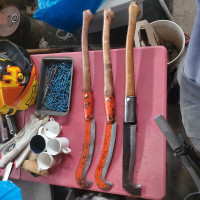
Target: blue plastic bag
(65, 14)
(9, 191)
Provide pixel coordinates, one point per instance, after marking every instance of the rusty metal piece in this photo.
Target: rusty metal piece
(50, 50)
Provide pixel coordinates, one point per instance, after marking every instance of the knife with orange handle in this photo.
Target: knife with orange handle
(89, 139)
(111, 123)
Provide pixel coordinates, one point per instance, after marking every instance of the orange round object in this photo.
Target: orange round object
(17, 91)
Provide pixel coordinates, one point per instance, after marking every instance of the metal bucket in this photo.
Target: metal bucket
(193, 196)
(171, 33)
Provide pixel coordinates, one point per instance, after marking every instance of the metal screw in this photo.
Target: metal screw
(107, 99)
(86, 95)
(14, 18)
(128, 99)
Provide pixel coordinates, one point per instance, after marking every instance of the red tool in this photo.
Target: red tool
(89, 139)
(111, 123)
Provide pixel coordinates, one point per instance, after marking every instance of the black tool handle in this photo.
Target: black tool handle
(11, 125)
(174, 142)
(167, 131)
(3, 129)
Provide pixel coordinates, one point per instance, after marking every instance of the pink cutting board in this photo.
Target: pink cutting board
(151, 93)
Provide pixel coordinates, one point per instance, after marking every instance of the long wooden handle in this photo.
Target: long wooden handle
(134, 11)
(108, 78)
(87, 18)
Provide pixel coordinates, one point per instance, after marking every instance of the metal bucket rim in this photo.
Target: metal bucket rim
(183, 37)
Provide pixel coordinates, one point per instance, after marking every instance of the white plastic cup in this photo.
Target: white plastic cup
(46, 161)
(58, 145)
(52, 128)
(42, 133)
(172, 32)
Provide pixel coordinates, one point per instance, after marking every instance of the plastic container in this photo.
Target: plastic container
(45, 64)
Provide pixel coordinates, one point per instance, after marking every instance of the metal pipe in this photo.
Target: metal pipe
(166, 10)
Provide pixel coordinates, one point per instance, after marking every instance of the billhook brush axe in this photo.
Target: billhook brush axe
(89, 138)
(130, 121)
(111, 123)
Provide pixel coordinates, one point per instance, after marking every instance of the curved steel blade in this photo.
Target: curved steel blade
(86, 157)
(106, 157)
(129, 144)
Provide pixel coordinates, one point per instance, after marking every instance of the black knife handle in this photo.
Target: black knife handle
(130, 110)
(167, 131)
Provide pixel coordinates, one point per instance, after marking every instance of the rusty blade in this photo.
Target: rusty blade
(86, 156)
(106, 156)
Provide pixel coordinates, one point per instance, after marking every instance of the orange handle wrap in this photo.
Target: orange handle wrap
(88, 104)
(110, 108)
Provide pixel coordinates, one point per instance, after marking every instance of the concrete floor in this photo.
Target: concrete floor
(184, 14)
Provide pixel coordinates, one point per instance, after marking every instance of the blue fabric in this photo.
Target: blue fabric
(192, 61)
(9, 191)
(190, 86)
(65, 14)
